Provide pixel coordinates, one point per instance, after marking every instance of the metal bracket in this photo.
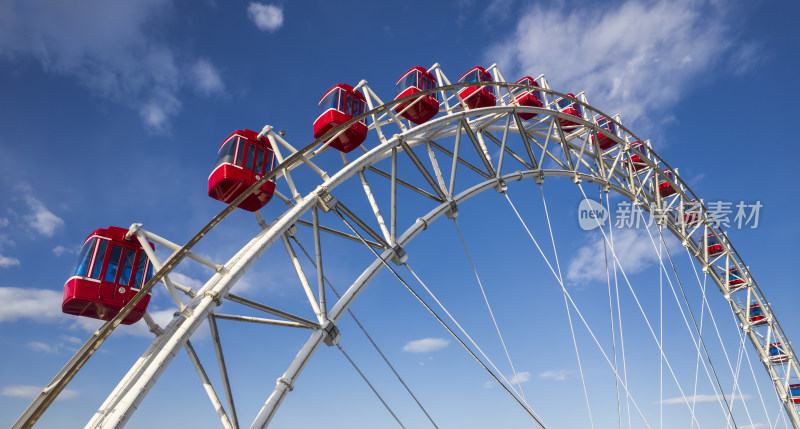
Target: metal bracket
(500, 186)
(216, 297)
(332, 334)
(326, 201)
(285, 382)
(400, 256)
(539, 177)
(291, 231)
(452, 212)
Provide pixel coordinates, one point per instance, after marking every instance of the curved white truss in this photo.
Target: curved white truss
(542, 141)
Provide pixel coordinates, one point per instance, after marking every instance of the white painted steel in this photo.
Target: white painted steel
(573, 153)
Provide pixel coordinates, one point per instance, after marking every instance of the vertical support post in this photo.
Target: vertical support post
(323, 309)
(207, 385)
(455, 162)
(393, 202)
(223, 369)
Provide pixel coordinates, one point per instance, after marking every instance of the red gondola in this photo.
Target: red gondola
(110, 271)
(637, 153)
(570, 107)
(777, 354)
(735, 279)
(691, 213)
(339, 105)
(756, 315)
(714, 248)
(794, 393)
(421, 109)
(664, 188)
(525, 97)
(603, 140)
(477, 96)
(243, 159)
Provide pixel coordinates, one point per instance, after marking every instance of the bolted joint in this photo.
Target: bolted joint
(400, 256)
(332, 334)
(452, 212)
(215, 296)
(576, 178)
(325, 200)
(500, 186)
(285, 382)
(132, 230)
(539, 177)
(291, 231)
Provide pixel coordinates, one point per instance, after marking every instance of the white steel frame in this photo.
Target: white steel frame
(541, 140)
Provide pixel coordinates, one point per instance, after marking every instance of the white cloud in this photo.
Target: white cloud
(72, 340)
(42, 305)
(266, 17)
(703, 398)
(106, 46)
(558, 375)
(31, 392)
(4, 222)
(206, 78)
(633, 248)
(8, 262)
(426, 345)
(521, 377)
(637, 59)
(60, 250)
(41, 219)
(39, 346)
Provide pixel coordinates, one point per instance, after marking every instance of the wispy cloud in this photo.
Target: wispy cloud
(40, 218)
(521, 377)
(703, 398)
(37, 304)
(425, 345)
(206, 78)
(8, 262)
(61, 250)
(558, 375)
(635, 59)
(109, 48)
(633, 248)
(30, 392)
(267, 17)
(39, 346)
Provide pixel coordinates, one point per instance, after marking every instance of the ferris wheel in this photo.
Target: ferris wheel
(431, 151)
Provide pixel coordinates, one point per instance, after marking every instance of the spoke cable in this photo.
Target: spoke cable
(491, 313)
(385, 359)
(370, 385)
(438, 318)
(566, 305)
(611, 314)
(619, 310)
(577, 310)
(644, 315)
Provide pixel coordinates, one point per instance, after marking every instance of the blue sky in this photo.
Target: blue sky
(112, 112)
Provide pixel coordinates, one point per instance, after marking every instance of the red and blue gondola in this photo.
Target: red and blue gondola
(664, 188)
(570, 107)
(109, 272)
(421, 109)
(756, 315)
(339, 105)
(603, 140)
(527, 97)
(637, 154)
(477, 96)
